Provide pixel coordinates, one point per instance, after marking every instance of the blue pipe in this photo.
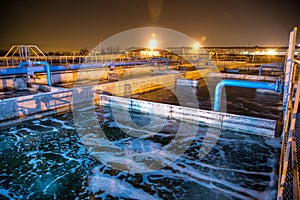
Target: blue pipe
(22, 64)
(29, 69)
(39, 69)
(268, 66)
(48, 70)
(246, 84)
(166, 59)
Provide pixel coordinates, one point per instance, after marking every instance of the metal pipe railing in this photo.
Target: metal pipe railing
(22, 64)
(24, 70)
(269, 66)
(246, 84)
(166, 59)
(49, 81)
(33, 70)
(296, 61)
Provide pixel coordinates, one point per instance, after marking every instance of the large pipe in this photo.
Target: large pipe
(22, 64)
(47, 68)
(246, 84)
(30, 69)
(269, 66)
(166, 59)
(39, 69)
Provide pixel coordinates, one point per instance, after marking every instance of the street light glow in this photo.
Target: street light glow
(152, 44)
(196, 46)
(271, 52)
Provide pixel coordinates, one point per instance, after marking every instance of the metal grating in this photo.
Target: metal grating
(288, 192)
(288, 181)
(297, 133)
(288, 186)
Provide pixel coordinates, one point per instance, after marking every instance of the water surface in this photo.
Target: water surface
(47, 159)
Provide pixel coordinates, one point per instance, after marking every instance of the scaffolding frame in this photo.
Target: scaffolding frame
(24, 52)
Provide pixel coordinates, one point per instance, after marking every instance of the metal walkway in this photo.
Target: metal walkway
(289, 188)
(288, 181)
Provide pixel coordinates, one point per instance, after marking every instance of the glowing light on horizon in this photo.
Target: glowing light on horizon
(196, 46)
(149, 53)
(271, 52)
(153, 42)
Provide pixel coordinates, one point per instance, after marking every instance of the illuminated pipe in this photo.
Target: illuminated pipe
(166, 59)
(35, 69)
(246, 84)
(48, 70)
(268, 66)
(39, 69)
(22, 64)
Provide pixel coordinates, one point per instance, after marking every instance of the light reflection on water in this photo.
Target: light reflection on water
(45, 159)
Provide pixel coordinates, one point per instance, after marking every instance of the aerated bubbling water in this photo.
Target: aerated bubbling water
(45, 159)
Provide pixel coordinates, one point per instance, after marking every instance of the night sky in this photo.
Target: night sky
(70, 25)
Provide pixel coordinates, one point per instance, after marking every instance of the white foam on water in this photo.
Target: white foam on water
(26, 129)
(46, 188)
(274, 142)
(35, 162)
(107, 115)
(195, 162)
(116, 187)
(187, 178)
(142, 133)
(139, 145)
(63, 123)
(191, 172)
(6, 193)
(202, 182)
(187, 168)
(31, 153)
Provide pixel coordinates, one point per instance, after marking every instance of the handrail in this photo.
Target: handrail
(22, 64)
(289, 151)
(269, 66)
(166, 59)
(246, 84)
(24, 70)
(296, 61)
(24, 51)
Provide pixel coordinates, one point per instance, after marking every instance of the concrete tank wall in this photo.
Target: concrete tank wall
(12, 82)
(138, 85)
(224, 121)
(92, 74)
(36, 104)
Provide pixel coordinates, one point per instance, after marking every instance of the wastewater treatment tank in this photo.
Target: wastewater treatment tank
(96, 153)
(46, 158)
(136, 148)
(144, 136)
